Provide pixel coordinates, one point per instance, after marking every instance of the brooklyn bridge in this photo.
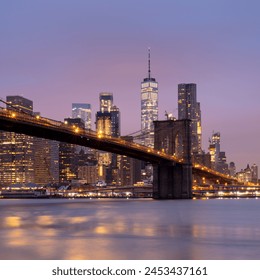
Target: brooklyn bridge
(173, 172)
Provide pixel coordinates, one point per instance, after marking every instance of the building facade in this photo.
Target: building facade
(129, 169)
(16, 150)
(107, 124)
(214, 149)
(89, 173)
(82, 111)
(46, 161)
(69, 155)
(105, 101)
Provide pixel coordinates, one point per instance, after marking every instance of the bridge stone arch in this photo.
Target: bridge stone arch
(173, 180)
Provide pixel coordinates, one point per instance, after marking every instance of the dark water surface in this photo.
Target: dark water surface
(129, 229)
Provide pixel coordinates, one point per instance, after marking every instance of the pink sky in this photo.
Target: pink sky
(63, 52)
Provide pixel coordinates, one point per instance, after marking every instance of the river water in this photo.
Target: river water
(129, 229)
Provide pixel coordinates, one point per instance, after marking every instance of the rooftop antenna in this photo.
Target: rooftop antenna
(149, 63)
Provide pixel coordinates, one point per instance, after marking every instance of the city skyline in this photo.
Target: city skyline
(82, 50)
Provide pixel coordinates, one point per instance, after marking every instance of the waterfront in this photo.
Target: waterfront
(129, 229)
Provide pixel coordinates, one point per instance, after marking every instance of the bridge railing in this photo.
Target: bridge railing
(214, 172)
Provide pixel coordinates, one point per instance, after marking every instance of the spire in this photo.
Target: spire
(149, 63)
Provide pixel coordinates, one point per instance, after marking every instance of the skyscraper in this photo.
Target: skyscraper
(115, 121)
(189, 108)
(16, 150)
(83, 111)
(107, 124)
(218, 157)
(108, 118)
(149, 107)
(105, 101)
(214, 149)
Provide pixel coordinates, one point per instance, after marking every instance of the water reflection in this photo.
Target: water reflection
(17, 238)
(45, 220)
(12, 221)
(132, 229)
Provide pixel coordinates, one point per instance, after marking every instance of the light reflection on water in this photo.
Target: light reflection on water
(129, 229)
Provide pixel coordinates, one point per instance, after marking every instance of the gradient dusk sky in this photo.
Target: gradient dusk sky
(59, 52)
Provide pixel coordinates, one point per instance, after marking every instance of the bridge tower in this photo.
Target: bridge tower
(173, 180)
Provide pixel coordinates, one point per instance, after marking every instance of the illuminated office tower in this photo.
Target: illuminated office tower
(215, 141)
(16, 150)
(149, 107)
(105, 101)
(103, 124)
(214, 149)
(115, 121)
(189, 108)
(107, 124)
(83, 111)
(108, 118)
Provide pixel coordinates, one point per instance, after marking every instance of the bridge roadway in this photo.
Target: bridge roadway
(60, 131)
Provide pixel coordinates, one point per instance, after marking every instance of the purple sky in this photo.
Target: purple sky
(61, 52)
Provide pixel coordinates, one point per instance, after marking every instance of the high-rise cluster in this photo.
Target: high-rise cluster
(23, 158)
(26, 159)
